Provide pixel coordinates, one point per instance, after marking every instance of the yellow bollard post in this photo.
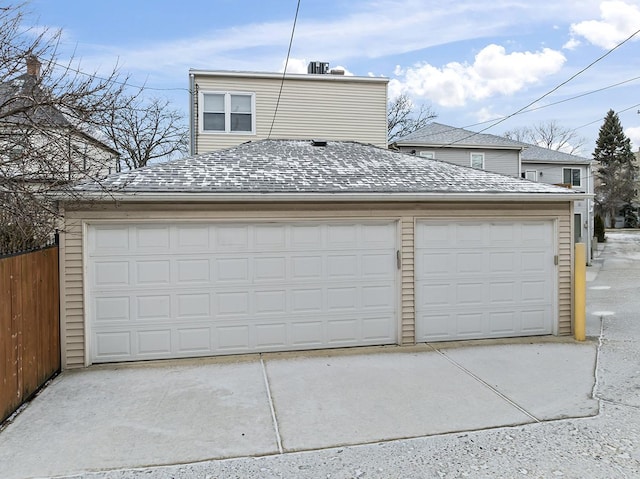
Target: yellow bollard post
(580, 296)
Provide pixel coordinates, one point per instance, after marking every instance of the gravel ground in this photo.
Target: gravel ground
(604, 446)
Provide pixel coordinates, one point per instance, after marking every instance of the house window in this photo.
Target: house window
(228, 112)
(428, 154)
(477, 160)
(531, 175)
(571, 176)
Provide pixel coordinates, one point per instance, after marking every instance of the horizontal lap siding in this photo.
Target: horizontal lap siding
(406, 214)
(407, 330)
(72, 303)
(333, 109)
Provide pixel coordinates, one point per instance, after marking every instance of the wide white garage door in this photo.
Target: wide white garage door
(183, 290)
(483, 279)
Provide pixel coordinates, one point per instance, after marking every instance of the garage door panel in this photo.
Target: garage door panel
(502, 286)
(109, 309)
(152, 238)
(113, 345)
(156, 307)
(231, 270)
(193, 271)
(503, 322)
(229, 288)
(271, 335)
(195, 237)
(115, 273)
(469, 325)
(194, 340)
(502, 262)
(154, 342)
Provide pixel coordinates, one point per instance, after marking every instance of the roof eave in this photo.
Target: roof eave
(182, 197)
(456, 145)
(290, 76)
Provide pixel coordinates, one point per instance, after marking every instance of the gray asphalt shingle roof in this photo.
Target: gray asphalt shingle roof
(538, 154)
(437, 134)
(297, 166)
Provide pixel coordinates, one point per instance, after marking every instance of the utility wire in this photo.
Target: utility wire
(553, 89)
(284, 73)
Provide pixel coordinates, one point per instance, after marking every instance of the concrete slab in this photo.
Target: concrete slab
(550, 381)
(105, 418)
(339, 400)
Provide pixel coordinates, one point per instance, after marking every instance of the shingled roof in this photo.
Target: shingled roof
(299, 167)
(538, 154)
(437, 134)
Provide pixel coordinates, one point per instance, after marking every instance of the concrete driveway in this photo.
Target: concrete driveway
(137, 415)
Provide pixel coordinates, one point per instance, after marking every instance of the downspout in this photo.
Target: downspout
(192, 132)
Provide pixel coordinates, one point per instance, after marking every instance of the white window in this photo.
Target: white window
(571, 176)
(531, 175)
(477, 160)
(227, 112)
(427, 154)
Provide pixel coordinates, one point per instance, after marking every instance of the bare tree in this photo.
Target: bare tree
(402, 118)
(45, 118)
(549, 135)
(144, 131)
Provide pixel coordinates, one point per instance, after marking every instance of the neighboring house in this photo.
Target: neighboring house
(575, 172)
(40, 145)
(463, 147)
(513, 158)
(279, 245)
(228, 108)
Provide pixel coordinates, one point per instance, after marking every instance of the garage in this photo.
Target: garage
(286, 245)
(171, 290)
(484, 279)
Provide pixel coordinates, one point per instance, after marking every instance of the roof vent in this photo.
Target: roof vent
(337, 71)
(318, 68)
(319, 142)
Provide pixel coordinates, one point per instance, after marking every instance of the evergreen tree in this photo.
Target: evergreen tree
(616, 175)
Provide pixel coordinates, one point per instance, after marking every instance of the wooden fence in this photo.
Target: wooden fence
(29, 325)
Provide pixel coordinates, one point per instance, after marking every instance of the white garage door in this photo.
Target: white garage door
(484, 279)
(183, 290)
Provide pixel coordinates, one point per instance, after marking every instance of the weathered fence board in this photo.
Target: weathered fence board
(29, 325)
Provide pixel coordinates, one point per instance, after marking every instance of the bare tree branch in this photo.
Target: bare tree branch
(549, 135)
(402, 118)
(145, 131)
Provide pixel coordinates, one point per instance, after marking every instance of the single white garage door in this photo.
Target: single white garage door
(484, 279)
(184, 290)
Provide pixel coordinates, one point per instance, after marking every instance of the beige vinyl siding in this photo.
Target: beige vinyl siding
(407, 300)
(327, 108)
(565, 273)
(72, 303)
(505, 162)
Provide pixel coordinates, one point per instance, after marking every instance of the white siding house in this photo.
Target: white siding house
(228, 108)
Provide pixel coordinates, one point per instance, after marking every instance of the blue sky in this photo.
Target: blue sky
(472, 61)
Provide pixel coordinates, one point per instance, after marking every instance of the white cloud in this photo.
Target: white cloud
(633, 134)
(619, 20)
(485, 114)
(494, 72)
(295, 65)
(572, 44)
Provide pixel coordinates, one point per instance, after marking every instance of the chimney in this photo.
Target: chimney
(33, 66)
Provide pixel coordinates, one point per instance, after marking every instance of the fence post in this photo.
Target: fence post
(580, 296)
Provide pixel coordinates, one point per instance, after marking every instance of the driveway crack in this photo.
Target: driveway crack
(273, 410)
(486, 384)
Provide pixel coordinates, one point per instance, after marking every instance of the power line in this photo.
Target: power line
(284, 73)
(553, 89)
(113, 80)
